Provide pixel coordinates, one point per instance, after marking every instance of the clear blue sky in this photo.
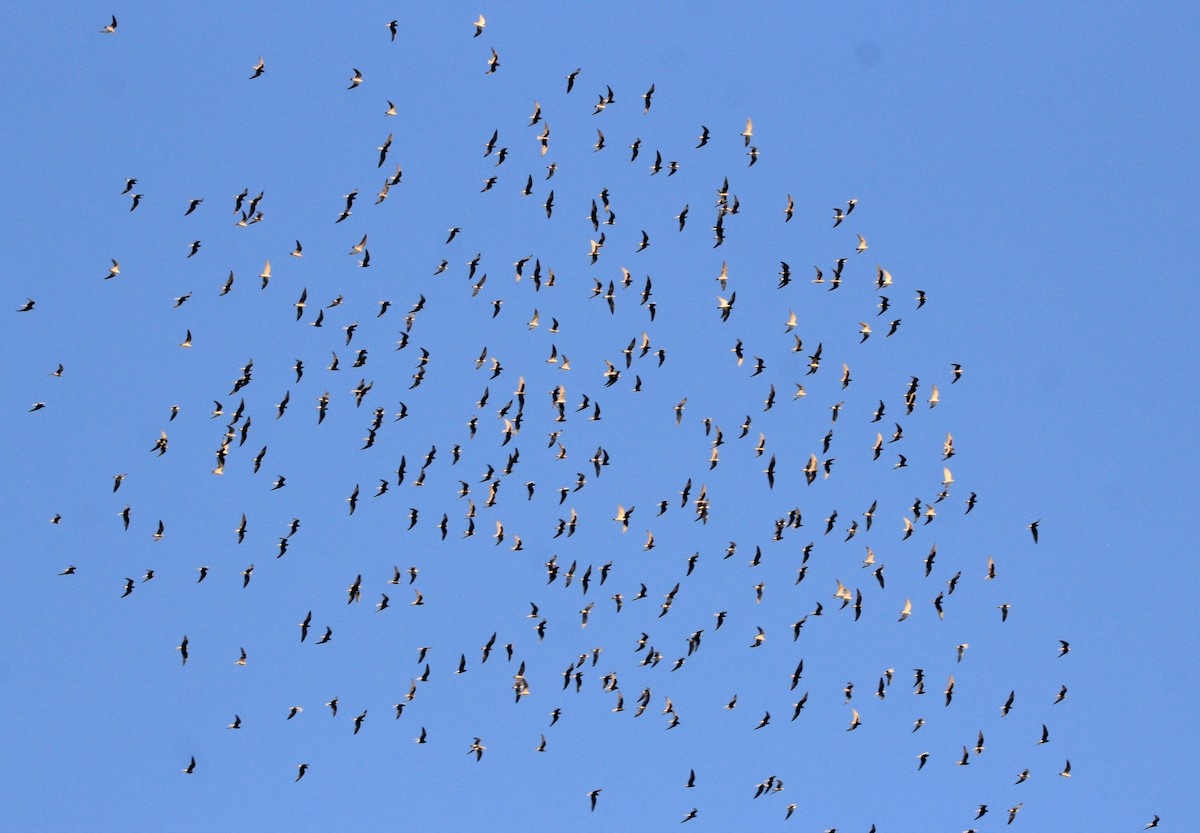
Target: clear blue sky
(1026, 166)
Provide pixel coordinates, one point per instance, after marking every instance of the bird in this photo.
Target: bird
(301, 769)
(355, 79)
(477, 749)
(259, 69)
(591, 795)
(479, 24)
(191, 767)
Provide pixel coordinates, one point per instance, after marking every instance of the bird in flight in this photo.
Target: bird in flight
(476, 748)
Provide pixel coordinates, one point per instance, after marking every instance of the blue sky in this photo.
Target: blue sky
(1024, 165)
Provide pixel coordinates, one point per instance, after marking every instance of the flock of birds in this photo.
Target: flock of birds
(776, 457)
